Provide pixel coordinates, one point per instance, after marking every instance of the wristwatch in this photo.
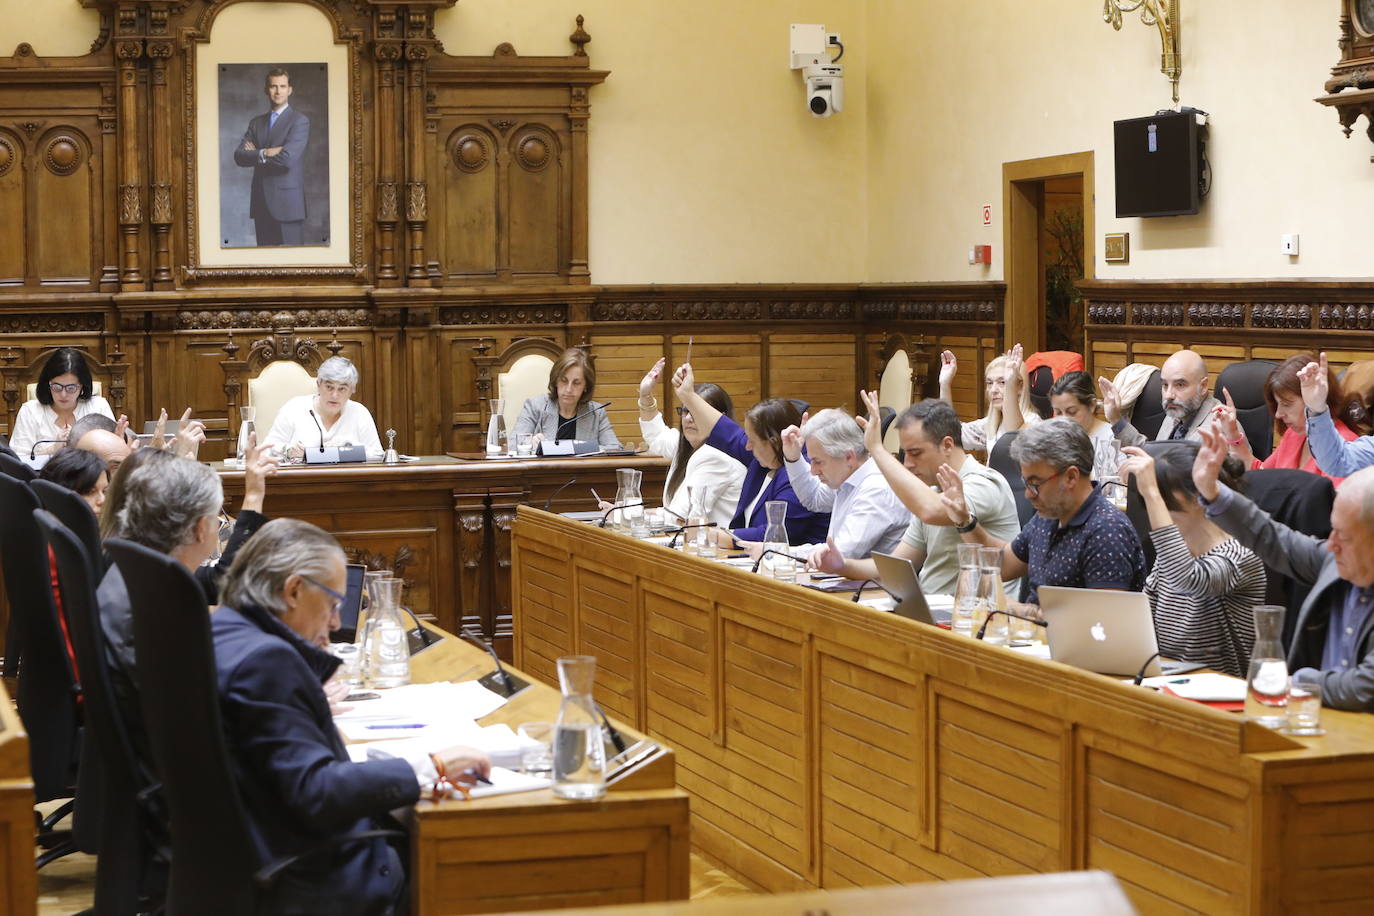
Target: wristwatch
(972, 523)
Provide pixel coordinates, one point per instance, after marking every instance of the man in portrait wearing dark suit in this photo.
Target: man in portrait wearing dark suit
(274, 147)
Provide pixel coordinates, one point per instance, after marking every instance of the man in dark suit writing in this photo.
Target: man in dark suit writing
(274, 148)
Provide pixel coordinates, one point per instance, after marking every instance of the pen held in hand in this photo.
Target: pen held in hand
(595, 496)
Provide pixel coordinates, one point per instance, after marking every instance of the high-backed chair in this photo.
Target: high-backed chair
(48, 689)
(526, 377)
(73, 512)
(1302, 501)
(277, 383)
(1000, 460)
(895, 392)
(1147, 414)
(16, 468)
(214, 869)
(1358, 379)
(119, 797)
(1245, 382)
(97, 387)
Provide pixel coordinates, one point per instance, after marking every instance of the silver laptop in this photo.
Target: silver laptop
(898, 576)
(1105, 631)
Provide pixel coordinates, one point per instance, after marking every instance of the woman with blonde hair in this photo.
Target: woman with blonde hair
(1008, 390)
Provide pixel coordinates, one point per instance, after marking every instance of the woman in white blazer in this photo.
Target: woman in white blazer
(65, 393)
(702, 468)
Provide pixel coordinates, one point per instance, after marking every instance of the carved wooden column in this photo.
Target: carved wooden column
(578, 269)
(387, 51)
(160, 182)
(131, 153)
(418, 46)
(470, 539)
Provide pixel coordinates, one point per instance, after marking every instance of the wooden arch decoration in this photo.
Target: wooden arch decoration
(283, 344)
(112, 370)
(489, 366)
(919, 357)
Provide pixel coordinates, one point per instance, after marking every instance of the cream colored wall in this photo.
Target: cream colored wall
(706, 166)
(956, 89)
(63, 28)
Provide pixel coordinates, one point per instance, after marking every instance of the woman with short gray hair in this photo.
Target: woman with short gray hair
(327, 418)
(297, 782)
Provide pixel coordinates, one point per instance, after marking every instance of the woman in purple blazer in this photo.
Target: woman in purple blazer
(758, 446)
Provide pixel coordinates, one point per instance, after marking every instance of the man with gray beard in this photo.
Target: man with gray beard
(1183, 387)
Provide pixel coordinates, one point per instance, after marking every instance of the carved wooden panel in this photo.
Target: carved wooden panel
(62, 221)
(468, 202)
(540, 196)
(12, 193)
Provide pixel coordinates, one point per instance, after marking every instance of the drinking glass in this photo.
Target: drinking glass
(524, 446)
(536, 759)
(966, 591)
(991, 596)
(1305, 708)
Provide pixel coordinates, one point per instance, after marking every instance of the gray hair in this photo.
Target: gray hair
(1060, 443)
(163, 499)
(836, 433)
(339, 369)
(280, 549)
(87, 423)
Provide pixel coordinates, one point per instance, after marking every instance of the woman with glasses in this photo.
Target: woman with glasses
(707, 472)
(65, 394)
(327, 418)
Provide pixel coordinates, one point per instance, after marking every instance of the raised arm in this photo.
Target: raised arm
(703, 414)
(949, 367)
(919, 498)
(952, 497)
(1012, 417)
(1335, 456)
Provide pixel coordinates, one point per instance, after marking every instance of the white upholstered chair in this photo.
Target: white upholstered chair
(527, 376)
(277, 383)
(895, 391)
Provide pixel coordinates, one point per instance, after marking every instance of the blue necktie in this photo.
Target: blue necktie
(272, 121)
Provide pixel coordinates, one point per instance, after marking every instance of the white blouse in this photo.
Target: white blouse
(708, 467)
(38, 422)
(354, 426)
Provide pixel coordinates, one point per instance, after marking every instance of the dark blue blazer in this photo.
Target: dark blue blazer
(278, 183)
(294, 775)
(803, 525)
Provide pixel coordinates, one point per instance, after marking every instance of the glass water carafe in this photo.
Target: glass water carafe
(579, 751)
(991, 596)
(1266, 693)
(386, 647)
(497, 440)
(628, 517)
(703, 534)
(966, 591)
(370, 579)
(779, 565)
(247, 432)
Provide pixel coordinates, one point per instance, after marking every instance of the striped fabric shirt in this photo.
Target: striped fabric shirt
(1204, 606)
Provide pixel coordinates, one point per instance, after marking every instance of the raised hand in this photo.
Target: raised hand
(873, 424)
(650, 380)
(1111, 399)
(1014, 363)
(1312, 378)
(949, 367)
(683, 379)
(952, 494)
(1141, 466)
(792, 442)
(1227, 424)
(259, 463)
(827, 558)
(1207, 465)
(159, 439)
(122, 427)
(190, 434)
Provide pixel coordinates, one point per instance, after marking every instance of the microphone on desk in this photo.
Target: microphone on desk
(618, 741)
(33, 452)
(319, 427)
(867, 582)
(548, 503)
(982, 631)
(507, 683)
(602, 523)
(759, 561)
(574, 420)
(679, 530)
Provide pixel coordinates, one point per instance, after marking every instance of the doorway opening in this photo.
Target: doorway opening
(1048, 245)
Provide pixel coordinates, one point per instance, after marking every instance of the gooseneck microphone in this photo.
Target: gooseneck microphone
(759, 561)
(502, 675)
(548, 503)
(982, 631)
(867, 582)
(33, 452)
(676, 531)
(616, 507)
(588, 411)
(319, 427)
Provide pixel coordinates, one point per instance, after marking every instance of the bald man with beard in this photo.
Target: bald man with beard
(1183, 389)
(111, 448)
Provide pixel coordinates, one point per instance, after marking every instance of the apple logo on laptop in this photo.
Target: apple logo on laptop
(1098, 632)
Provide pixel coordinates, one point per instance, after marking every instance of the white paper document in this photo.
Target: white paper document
(408, 712)
(1209, 687)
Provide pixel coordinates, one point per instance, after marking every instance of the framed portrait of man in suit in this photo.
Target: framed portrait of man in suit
(274, 155)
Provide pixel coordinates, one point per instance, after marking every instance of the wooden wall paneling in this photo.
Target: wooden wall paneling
(65, 182)
(732, 361)
(15, 165)
(539, 189)
(621, 361)
(820, 369)
(467, 201)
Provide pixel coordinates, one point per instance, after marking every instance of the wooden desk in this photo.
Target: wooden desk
(442, 523)
(18, 877)
(1094, 892)
(532, 850)
(827, 745)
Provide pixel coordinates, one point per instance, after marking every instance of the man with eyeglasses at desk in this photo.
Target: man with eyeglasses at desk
(1077, 538)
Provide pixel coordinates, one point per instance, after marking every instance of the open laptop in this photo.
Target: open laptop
(353, 602)
(1105, 631)
(898, 576)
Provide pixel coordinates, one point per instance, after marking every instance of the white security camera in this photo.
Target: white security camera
(824, 89)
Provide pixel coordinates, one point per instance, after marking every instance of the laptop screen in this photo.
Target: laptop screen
(353, 602)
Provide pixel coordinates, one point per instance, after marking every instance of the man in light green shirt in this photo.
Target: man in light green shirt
(930, 435)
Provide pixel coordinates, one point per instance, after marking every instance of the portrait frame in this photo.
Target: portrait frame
(261, 33)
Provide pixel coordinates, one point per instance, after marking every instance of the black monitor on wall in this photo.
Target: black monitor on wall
(1159, 164)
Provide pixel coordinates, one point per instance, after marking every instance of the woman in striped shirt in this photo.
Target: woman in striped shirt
(1204, 585)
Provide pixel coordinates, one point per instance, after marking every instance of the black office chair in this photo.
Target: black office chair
(802, 406)
(1041, 381)
(1302, 501)
(886, 415)
(48, 689)
(1245, 381)
(74, 512)
(116, 794)
(214, 870)
(999, 459)
(1135, 506)
(11, 465)
(1147, 414)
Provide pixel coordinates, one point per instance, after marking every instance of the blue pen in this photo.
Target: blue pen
(384, 727)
